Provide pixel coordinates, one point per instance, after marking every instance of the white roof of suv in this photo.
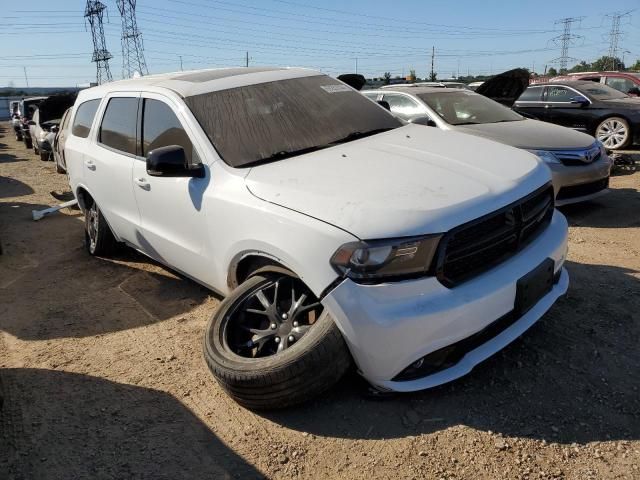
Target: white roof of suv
(195, 82)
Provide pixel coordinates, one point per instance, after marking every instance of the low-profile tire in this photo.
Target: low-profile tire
(98, 238)
(28, 143)
(614, 133)
(44, 156)
(270, 374)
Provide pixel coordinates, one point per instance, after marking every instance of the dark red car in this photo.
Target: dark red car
(626, 82)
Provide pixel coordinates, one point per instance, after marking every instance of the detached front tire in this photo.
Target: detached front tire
(271, 345)
(99, 239)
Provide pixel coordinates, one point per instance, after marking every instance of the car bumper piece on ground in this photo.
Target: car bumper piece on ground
(390, 327)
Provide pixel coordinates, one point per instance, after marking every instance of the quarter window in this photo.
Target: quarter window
(84, 118)
(161, 127)
(118, 129)
(560, 94)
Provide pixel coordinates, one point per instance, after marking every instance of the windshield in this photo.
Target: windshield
(462, 107)
(275, 120)
(602, 92)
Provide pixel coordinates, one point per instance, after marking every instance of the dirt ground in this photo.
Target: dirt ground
(103, 377)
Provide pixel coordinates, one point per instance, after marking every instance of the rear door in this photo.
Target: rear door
(173, 227)
(531, 103)
(108, 165)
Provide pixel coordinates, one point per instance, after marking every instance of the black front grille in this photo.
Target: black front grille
(575, 191)
(472, 248)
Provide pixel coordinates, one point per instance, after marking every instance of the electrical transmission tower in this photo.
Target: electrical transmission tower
(132, 49)
(565, 40)
(614, 38)
(101, 56)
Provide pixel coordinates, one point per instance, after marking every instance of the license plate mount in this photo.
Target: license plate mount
(533, 286)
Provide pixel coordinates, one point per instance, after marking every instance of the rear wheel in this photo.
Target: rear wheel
(270, 344)
(614, 133)
(99, 240)
(28, 143)
(44, 156)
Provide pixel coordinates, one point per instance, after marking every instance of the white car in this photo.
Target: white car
(336, 232)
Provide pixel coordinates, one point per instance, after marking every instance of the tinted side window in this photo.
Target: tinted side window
(531, 94)
(560, 94)
(401, 105)
(118, 128)
(622, 84)
(84, 118)
(161, 127)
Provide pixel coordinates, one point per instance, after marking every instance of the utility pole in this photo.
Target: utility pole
(614, 37)
(181, 63)
(132, 47)
(565, 40)
(26, 79)
(356, 65)
(433, 55)
(246, 62)
(94, 11)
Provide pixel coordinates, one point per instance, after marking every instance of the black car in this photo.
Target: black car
(611, 116)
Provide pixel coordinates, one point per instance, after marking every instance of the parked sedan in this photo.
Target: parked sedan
(579, 164)
(611, 116)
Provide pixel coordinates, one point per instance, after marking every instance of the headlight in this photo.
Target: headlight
(378, 260)
(546, 156)
(43, 136)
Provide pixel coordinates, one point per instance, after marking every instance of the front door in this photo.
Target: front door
(173, 227)
(563, 108)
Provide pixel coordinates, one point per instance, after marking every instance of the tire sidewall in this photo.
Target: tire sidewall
(213, 334)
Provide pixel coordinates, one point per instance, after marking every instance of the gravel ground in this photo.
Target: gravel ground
(102, 373)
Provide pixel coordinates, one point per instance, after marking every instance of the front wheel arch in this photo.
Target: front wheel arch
(247, 265)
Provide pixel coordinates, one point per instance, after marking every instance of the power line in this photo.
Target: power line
(94, 12)
(132, 48)
(564, 40)
(614, 37)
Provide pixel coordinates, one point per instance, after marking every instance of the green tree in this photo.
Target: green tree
(433, 77)
(636, 66)
(552, 72)
(412, 76)
(607, 63)
(581, 67)
(387, 78)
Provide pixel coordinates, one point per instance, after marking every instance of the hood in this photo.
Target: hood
(530, 134)
(506, 87)
(354, 80)
(408, 181)
(55, 106)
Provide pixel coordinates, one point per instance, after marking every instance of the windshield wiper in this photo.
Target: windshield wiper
(356, 135)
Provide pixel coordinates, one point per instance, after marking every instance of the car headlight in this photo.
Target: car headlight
(43, 136)
(378, 260)
(545, 156)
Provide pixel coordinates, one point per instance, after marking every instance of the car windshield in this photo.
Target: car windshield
(275, 120)
(602, 92)
(462, 107)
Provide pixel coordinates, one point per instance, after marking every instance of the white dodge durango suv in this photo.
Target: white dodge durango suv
(338, 234)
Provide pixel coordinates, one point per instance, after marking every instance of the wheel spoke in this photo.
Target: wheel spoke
(263, 299)
(256, 311)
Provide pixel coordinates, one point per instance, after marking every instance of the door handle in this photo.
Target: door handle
(142, 183)
(547, 106)
(90, 165)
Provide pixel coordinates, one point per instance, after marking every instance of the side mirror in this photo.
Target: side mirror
(582, 101)
(171, 161)
(424, 120)
(634, 91)
(384, 104)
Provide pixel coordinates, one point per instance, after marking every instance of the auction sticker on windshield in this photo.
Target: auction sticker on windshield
(335, 88)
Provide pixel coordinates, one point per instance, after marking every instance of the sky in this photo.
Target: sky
(51, 41)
